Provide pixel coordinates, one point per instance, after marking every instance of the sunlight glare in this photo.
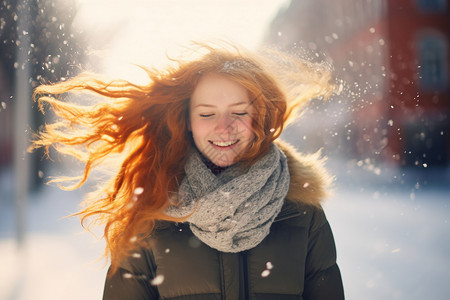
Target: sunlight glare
(123, 33)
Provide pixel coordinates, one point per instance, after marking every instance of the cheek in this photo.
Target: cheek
(198, 129)
(247, 128)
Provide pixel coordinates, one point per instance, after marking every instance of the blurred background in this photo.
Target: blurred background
(386, 135)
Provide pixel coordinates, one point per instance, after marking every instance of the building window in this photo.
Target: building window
(432, 55)
(432, 6)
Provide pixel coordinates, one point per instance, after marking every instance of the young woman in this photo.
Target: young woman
(205, 202)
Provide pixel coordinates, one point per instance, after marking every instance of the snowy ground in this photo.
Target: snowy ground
(393, 243)
(58, 260)
(393, 247)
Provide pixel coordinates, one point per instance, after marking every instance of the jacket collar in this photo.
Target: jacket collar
(289, 210)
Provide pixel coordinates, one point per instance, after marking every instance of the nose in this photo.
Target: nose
(225, 124)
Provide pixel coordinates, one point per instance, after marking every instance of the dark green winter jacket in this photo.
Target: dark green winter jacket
(297, 260)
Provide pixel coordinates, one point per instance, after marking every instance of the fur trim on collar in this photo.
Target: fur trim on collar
(310, 181)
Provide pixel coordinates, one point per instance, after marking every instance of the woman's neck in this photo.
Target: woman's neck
(215, 169)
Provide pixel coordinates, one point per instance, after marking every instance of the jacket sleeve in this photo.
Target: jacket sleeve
(323, 278)
(125, 285)
(131, 281)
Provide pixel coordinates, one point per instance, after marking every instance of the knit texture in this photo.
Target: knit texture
(233, 211)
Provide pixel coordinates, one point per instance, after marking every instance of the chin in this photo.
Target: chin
(223, 164)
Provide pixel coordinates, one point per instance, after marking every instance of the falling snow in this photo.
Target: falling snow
(265, 273)
(138, 190)
(380, 229)
(158, 280)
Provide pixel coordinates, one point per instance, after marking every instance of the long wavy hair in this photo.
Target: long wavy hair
(144, 128)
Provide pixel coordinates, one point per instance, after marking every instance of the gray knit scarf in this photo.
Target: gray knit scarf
(234, 210)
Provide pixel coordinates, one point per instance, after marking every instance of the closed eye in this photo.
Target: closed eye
(206, 115)
(241, 114)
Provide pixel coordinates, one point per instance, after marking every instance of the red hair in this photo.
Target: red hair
(145, 128)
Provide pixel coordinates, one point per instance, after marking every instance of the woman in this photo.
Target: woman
(204, 203)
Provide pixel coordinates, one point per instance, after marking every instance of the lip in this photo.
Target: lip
(224, 145)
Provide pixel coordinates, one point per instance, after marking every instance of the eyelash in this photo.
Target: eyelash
(210, 115)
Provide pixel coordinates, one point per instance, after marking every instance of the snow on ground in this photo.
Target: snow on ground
(391, 246)
(58, 260)
(393, 243)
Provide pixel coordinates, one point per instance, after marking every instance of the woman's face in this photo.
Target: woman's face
(221, 119)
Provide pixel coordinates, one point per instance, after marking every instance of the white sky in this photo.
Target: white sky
(143, 31)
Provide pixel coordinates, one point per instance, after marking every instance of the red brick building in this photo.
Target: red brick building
(393, 57)
(419, 35)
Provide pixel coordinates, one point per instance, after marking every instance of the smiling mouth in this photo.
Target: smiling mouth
(224, 143)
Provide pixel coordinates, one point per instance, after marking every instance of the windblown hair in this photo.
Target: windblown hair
(146, 128)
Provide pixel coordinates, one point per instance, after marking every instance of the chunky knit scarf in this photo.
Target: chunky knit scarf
(234, 210)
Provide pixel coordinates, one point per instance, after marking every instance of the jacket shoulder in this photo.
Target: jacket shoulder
(297, 214)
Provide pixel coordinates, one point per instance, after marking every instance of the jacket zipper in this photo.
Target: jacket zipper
(222, 275)
(244, 274)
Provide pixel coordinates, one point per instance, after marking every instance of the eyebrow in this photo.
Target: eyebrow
(211, 105)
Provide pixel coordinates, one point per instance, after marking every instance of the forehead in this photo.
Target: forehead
(214, 88)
